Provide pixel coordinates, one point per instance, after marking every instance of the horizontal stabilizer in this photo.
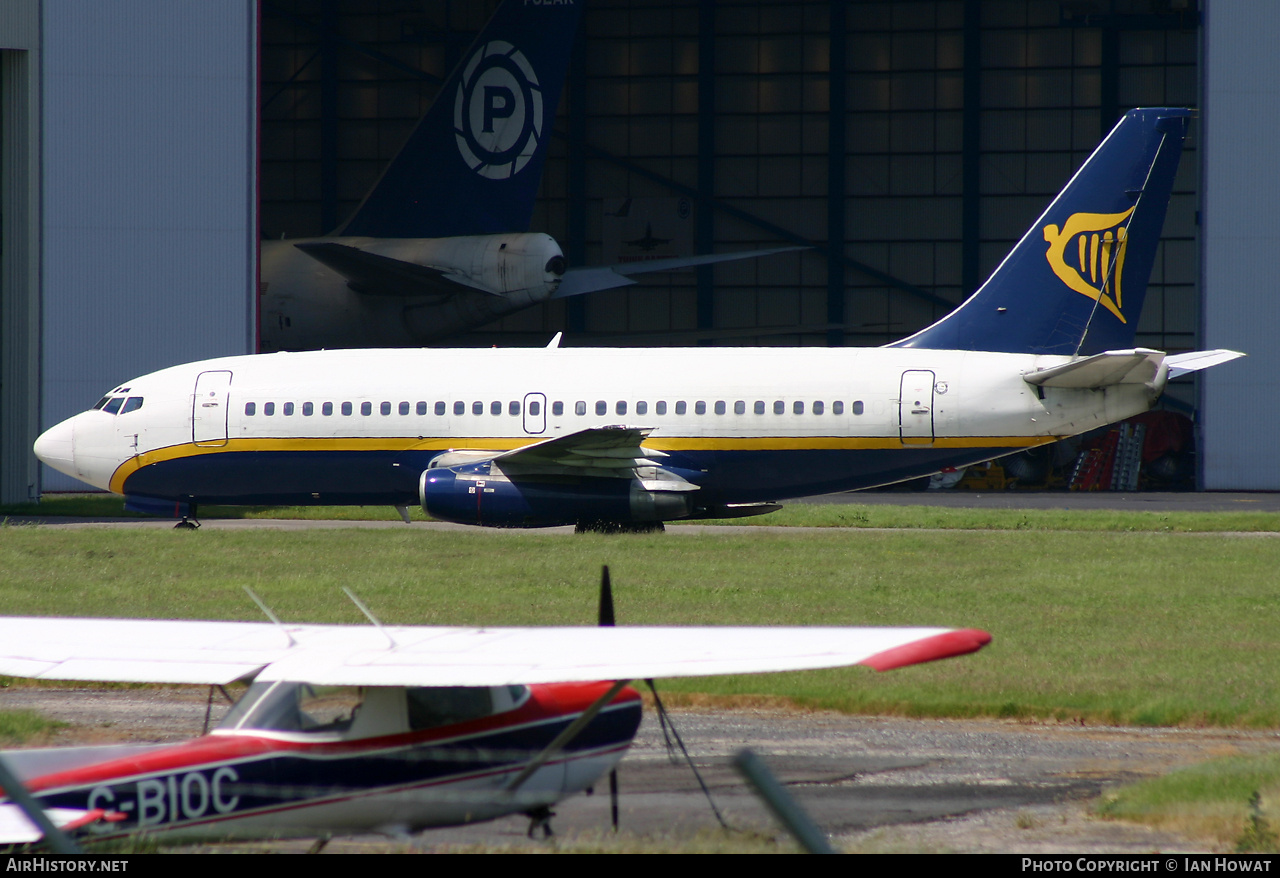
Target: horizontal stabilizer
(138, 650)
(1184, 364)
(1137, 366)
(383, 276)
(577, 281)
(17, 828)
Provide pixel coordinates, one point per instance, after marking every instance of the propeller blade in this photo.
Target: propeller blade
(613, 797)
(606, 599)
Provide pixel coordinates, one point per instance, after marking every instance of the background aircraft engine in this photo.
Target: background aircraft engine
(472, 495)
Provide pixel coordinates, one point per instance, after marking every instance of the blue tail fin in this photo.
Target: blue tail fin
(473, 163)
(1075, 282)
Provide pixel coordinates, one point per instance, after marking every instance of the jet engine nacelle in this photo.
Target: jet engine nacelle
(474, 494)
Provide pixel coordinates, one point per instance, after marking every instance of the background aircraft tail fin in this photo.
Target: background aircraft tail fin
(1076, 281)
(473, 163)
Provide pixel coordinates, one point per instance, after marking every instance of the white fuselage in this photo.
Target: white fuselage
(745, 424)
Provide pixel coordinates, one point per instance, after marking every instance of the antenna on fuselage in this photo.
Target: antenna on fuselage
(270, 615)
(368, 615)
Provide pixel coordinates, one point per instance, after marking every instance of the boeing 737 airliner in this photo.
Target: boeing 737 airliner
(528, 438)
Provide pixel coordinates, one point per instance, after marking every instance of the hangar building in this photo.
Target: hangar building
(147, 146)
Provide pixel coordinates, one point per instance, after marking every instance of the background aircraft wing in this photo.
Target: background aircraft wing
(383, 276)
(593, 279)
(134, 650)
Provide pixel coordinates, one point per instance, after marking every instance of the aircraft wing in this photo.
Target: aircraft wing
(140, 651)
(372, 273)
(577, 281)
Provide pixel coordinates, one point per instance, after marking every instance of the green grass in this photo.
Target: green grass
(1139, 628)
(1234, 801)
(25, 727)
(792, 515)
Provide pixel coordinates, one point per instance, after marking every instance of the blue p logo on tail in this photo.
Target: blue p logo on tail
(473, 164)
(498, 111)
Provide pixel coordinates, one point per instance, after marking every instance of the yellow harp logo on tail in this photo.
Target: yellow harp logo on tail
(1088, 256)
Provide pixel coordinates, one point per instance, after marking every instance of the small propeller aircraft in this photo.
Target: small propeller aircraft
(354, 729)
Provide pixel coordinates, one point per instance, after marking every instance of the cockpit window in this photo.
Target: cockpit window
(113, 406)
(295, 707)
(132, 404)
(106, 399)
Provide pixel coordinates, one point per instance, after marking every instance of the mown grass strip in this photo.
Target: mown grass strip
(791, 515)
(25, 727)
(1140, 628)
(1233, 801)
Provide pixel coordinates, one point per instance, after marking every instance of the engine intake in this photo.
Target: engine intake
(473, 494)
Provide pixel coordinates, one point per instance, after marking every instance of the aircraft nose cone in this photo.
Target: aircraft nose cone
(56, 448)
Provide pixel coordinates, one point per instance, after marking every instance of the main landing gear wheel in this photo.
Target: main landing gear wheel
(540, 818)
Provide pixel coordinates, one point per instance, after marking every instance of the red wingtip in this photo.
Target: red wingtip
(930, 649)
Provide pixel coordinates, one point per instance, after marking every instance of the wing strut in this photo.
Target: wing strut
(562, 740)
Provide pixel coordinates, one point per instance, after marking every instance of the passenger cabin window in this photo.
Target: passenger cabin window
(699, 408)
(443, 705)
(249, 408)
(404, 408)
(642, 407)
(288, 409)
(308, 409)
(477, 408)
(513, 408)
(621, 407)
(268, 408)
(385, 409)
(366, 408)
(720, 409)
(857, 406)
(817, 407)
(602, 407)
(535, 407)
(660, 407)
(346, 408)
(580, 407)
(326, 408)
(758, 408)
(495, 407)
(557, 408)
(439, 409)
(740, 407)
(837, 408)
(797, 407)
(681, 407)
(779, 407)
(132, 404)
(459, 408)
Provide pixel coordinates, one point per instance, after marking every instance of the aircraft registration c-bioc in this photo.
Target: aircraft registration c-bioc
(528, 438)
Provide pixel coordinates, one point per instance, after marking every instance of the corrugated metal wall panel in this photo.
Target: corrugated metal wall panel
(19, 247)
(149, 198)
(1240, 219)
